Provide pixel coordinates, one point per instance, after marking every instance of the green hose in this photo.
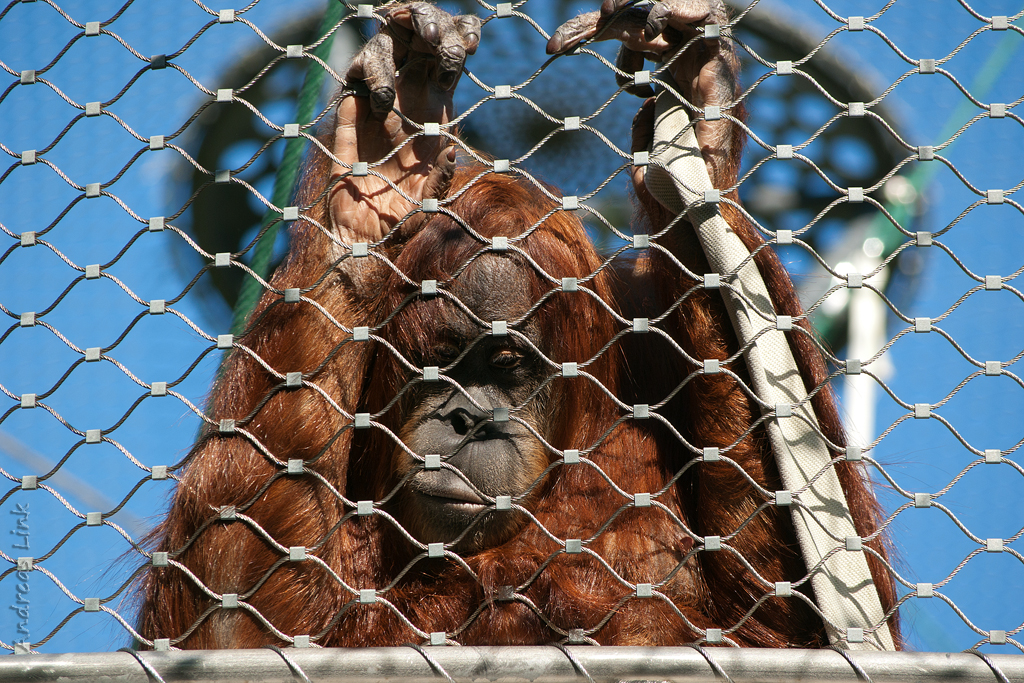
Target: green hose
(287, 173)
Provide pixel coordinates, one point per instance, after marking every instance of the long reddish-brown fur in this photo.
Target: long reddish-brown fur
(554, 592)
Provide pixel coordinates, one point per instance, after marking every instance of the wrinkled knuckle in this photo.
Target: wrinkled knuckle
(382, 98)
(451, 57)
(656, 23)
(468, 27)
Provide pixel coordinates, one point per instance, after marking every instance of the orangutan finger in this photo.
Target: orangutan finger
(629, 62)
(375, 66)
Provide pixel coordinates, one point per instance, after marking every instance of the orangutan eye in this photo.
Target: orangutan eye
(447, 352)
(506, 359)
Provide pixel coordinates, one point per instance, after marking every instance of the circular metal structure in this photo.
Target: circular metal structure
(851, 151)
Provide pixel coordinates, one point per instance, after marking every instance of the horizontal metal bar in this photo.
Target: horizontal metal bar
(510, 664)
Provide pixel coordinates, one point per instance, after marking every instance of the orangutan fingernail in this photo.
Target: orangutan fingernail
(555, 43)
(431, 34)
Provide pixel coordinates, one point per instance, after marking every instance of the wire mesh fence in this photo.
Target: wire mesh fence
(153, 150)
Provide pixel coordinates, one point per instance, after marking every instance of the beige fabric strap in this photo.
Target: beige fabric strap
(846, 594)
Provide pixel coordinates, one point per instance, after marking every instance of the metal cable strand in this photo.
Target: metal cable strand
(296, 669)
(861, 673)
(996, 671)
(574, 661)
(146, 666)
(715, 666)
(438, 669)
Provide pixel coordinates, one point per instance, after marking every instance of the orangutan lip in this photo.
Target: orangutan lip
(449, 497)
(469, 506)
(447, 488)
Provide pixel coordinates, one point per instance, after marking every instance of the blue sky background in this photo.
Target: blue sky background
(921, 455)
